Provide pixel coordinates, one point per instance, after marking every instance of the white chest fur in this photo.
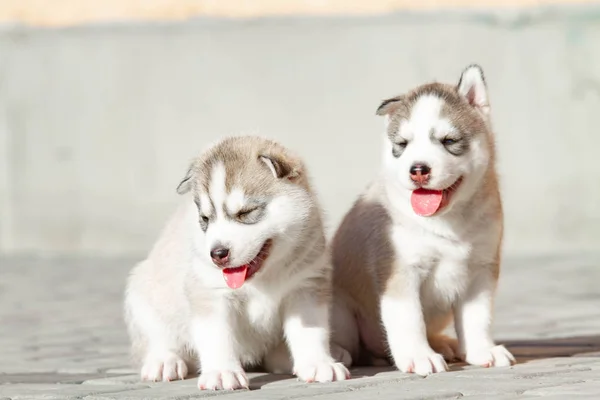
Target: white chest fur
(440, 265)
(262, 312)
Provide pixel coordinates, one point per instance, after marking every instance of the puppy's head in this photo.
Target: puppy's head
(253, 199)
(438, 144)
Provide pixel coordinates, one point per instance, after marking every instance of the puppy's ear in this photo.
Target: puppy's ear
(282, 167)
(186, 183)
(472, 87)
(390, 105)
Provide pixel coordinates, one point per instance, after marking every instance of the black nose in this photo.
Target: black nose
(419, 172)
(420, 168)
(219, 255)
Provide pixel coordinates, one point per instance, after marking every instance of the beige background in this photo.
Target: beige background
(69, 12)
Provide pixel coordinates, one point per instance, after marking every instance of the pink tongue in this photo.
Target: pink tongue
(235, 277)
(426, 202)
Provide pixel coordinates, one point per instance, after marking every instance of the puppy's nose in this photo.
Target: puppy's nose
(419, 173)
(219, 255)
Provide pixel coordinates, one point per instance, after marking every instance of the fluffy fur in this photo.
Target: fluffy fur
(400, 278)
(240, 194)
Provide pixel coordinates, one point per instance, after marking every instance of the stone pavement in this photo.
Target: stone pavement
(62, 337)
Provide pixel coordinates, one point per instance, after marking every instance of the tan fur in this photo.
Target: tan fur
(241, 155)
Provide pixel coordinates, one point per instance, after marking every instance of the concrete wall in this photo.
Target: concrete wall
(98, 123)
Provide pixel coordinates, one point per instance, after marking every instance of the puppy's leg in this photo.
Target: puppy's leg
(439, 342)
(157, 342)
(445, 345)
(306, 327)
(473, 323)
(345, 340)
(402, 317)
(214, 340)
(278, 360)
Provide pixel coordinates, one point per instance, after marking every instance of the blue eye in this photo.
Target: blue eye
(449, 141)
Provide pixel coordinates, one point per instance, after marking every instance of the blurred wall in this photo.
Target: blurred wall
(73, 12)
(98, 123)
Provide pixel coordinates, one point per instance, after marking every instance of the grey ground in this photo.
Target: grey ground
(62, 337)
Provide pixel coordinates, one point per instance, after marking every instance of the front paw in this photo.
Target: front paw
(497, 356)
(223, 380)
(424, 362)
(164, 367)
(325, 371)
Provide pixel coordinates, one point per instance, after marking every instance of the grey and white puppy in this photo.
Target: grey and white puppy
(422, 245)
(240, 266)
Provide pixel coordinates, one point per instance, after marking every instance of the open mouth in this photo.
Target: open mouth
(427, 202)
(235, 277)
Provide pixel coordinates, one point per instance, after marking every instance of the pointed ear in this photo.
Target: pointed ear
(472, 87)
(390, 105)
(186, 183)
(280, 166)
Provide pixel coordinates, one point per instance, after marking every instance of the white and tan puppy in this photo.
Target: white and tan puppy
(422, 245)
(241, 266)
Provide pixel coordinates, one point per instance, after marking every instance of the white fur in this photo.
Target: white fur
(235, 200)
(216, 189)
(205, 203)
(473, 320)
(308, 342)
(428, 290)
(405, 327)
(214, 339)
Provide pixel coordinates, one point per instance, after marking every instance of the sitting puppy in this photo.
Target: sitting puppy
(240, 266)
(422, 245)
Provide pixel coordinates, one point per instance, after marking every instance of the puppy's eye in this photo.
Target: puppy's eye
(449, 141)
(250, 216)
(245, 213)
(398, 148)
(204, 220)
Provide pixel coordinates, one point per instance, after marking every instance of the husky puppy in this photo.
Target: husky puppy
(421, 246)
(240, 266)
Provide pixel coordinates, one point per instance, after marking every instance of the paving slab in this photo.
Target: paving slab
(35, 391)
(62, 336)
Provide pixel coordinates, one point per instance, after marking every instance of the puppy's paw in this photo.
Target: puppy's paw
(325, 371)
(425, 362)
(497, 356)
(166, 367)
(223, 380)
(341, 355)
(446, 346)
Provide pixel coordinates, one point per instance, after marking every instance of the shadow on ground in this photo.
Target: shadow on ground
(524, 350)
(580, 346)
